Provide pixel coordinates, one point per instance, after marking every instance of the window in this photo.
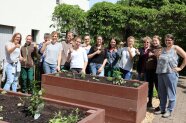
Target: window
(35, 35)
(57, 1)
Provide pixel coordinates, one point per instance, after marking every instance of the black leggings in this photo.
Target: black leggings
(152, 80)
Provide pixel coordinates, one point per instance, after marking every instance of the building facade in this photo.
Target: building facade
(28, 17)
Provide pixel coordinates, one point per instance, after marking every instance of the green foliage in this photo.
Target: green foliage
(70, 75)
(95, 78)
(36, 102)
(106, 19)
(3, 92)
(117, 78)
(128, 17)
(135, 84)
(83, 75)
(155, 93)
(70, 18)
(72, 118)
(110, 79)
(172, 20)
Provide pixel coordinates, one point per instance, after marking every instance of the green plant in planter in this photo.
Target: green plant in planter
(36, 102)
(95, 78)
(83, 75)
(3, 92)
(110, 79)
(57, 74)
(70, 75)
(118, 80)
(72, 118)
(135, 84)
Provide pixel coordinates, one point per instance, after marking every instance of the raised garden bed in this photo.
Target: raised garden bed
(123, 104)
(17, 114)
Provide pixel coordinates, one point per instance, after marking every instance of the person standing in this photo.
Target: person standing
(143, 54)
(112, 58)
(98, 57)
(87, 47)
(52, 50)
(13, 68)
(167, 70)
(127, 58)
(42, 55)
(77, 57)
(28, 52)
(66, 45)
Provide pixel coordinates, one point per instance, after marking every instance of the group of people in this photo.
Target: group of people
(156, 64)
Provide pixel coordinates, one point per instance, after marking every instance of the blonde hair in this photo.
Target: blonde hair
(130, 37)
(54, 33)
(157, 37)
(147, 38)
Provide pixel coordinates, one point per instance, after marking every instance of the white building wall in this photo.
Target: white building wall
(83, 4)
(25, 15)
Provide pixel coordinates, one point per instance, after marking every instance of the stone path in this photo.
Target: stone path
(179, 114)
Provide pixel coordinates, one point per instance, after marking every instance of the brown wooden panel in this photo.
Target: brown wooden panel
(101, 99)
(114, 113)
(119, 91)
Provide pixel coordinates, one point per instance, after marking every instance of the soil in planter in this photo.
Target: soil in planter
(90, 78)
(13, 114)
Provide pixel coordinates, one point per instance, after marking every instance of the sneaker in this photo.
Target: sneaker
(159, 112)
(167, 114)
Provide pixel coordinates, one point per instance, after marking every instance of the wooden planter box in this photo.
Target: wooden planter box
(94, 115)
(121, 104)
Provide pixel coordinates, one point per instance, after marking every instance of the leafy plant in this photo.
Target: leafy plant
(72, 118)
(94, 78)
(36, 102)
(83, 75)
(118, 80)
(3, 92)
(110, 79)
(70, 75)
(57, 74)
(135, 84)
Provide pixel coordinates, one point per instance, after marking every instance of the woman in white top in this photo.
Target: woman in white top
(127, 58)
(77, 57)
(13, 68)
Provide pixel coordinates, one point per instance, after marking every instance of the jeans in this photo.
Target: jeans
(167, 83)
(94, 69)
(49, 68)
(27, 76)
(12, 78)
(126, 74)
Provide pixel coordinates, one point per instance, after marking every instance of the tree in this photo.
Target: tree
(106, 19)
(172, 19)
(70, 18)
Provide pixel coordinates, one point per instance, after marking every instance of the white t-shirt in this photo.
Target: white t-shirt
(52, 51)
(78, 57)
(125, 62)
(14, 56)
